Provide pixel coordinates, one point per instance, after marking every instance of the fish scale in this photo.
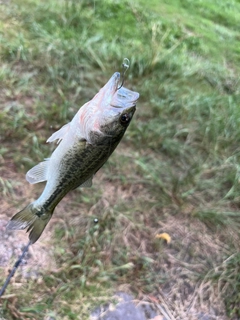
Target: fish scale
(88, 161)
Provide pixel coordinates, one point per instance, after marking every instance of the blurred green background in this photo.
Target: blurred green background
(176, 170)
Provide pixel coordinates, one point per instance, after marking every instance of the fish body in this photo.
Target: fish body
(85, 145)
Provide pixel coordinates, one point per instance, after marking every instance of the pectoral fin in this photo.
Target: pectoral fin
(59, 135)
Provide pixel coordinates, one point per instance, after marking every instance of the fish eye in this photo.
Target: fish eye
(125, 119)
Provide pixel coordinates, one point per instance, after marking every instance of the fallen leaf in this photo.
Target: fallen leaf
(164, 236)
(153, 299)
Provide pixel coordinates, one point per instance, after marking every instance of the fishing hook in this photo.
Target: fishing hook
(125, 66)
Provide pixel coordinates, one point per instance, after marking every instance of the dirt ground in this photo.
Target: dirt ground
(183, 296)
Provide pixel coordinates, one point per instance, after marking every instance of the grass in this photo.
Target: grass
(176, 171)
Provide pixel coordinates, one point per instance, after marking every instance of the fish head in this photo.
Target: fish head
(108, 114)
(115, 109)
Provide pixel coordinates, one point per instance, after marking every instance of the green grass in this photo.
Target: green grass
(179, 160)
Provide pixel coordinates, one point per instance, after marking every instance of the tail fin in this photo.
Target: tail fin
(35, 219)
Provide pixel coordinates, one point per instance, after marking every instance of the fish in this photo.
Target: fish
(83, 146)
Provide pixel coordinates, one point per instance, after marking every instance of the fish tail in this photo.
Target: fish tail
(33, 218)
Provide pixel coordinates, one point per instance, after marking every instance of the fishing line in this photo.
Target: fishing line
(125, 66)
(16, 265)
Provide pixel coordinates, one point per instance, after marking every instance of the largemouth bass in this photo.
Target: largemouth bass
(84, 146)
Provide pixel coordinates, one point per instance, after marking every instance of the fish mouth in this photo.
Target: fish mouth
(131, 110)
(115, 80)
(118, 97)
(124, 98)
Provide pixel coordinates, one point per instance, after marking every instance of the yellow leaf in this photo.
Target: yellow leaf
(164, 236)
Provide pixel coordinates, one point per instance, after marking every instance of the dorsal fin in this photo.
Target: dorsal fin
(38, 173)
(87, 183)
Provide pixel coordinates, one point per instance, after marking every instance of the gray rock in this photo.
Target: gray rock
(124, 310)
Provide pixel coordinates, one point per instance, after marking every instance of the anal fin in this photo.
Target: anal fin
(38, 173)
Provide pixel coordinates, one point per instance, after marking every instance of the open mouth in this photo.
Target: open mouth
(124, 98)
